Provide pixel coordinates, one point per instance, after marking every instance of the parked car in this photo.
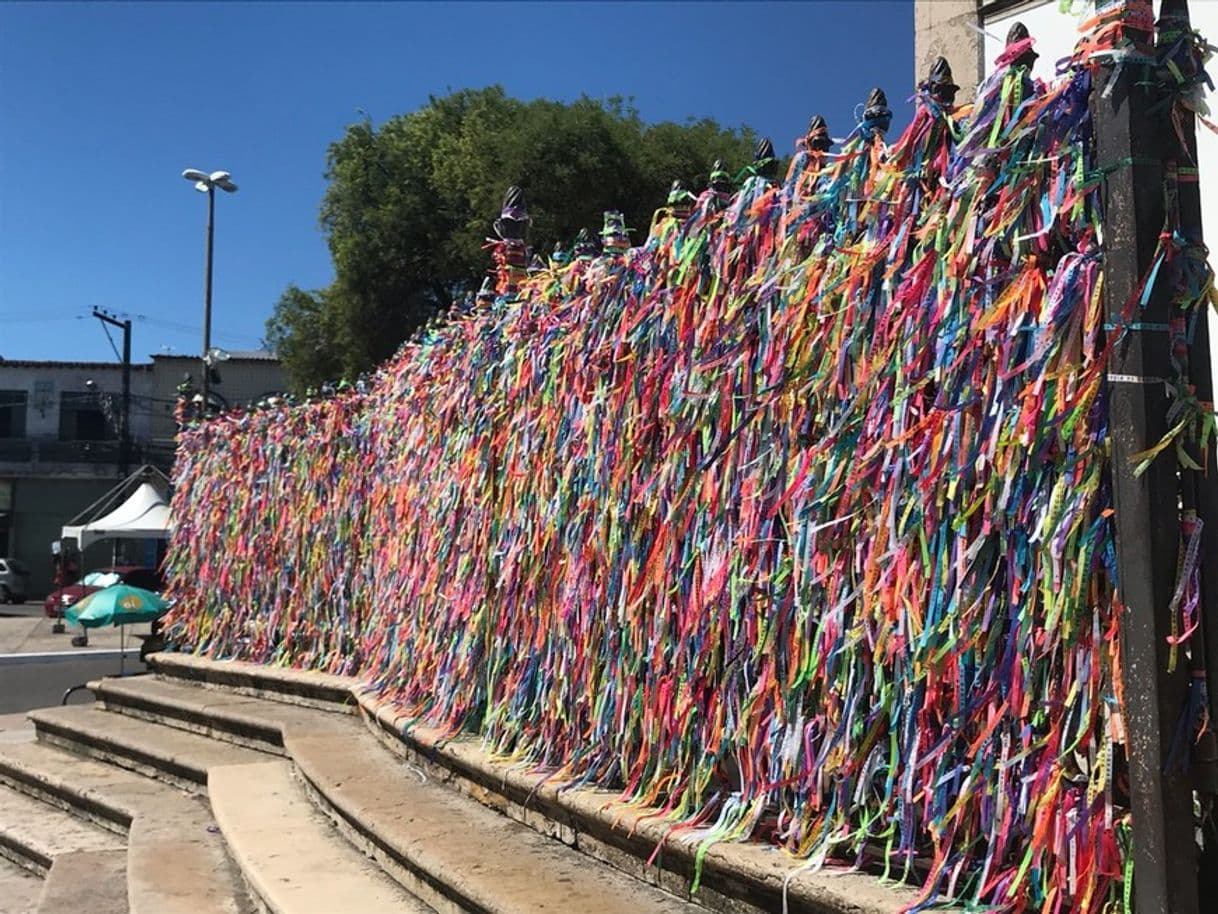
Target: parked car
(14, 581)
(60, 600)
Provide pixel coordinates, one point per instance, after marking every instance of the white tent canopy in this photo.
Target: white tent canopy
(144, 515)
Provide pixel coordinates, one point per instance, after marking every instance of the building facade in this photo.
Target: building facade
(59, 441)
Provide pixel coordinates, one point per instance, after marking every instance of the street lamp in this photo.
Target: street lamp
(207, 184)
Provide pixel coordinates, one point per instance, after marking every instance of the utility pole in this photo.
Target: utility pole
(124, 432)
(1131, 136)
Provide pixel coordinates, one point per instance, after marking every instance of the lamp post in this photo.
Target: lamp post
(207, 184)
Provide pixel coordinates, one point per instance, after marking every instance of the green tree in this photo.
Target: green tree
(410, 205)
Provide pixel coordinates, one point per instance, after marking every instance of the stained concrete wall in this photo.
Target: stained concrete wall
(245, 377)
(948, 28)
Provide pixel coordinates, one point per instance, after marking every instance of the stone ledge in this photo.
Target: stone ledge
(736, 877)
(314, 690)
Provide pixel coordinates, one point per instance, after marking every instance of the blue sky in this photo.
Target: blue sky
(102, 106)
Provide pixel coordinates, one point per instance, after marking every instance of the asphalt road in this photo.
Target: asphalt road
(38, 685)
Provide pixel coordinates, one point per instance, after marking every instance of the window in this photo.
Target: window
(12, 413)
(82, 418)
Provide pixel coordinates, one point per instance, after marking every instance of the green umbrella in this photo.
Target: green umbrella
(117, 604)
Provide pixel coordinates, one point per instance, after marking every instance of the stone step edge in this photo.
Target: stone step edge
(81, 802)
(24, 854)
(427, 887)
(90, 805)
(588, 819)
(261, 891)
(322, 691)
(21, 849)
(117, 752)
(592, 821)
(214, 722)
(218, 722)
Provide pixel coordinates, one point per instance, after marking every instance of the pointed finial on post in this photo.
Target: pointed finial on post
(513, 222)
(818, 138)
(1018, 51)
(614, 236)
(938, 83)
(765, 162)
(585, 246)
(512, 227)
(486, 295)
(680, 201)
(720, 180)
(877, 116)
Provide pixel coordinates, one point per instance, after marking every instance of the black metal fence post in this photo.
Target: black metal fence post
(1129, 135)
(1199, 488)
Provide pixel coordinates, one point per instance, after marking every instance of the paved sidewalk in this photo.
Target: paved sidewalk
(32, 635)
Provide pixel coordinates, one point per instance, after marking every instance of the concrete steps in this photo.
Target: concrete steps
(33, 834)
(290, 855)
(451, 850)
(312, 799)
(19, 888)
(171, 755)
(241, 719)
(175, 861)
(86, 881)
(432, 840)
(735, 878)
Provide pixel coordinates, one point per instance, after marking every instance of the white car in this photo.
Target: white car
(14, 581)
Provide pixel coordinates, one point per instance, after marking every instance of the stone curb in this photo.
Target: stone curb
(735, 876)
(25, 854)
(82, 802)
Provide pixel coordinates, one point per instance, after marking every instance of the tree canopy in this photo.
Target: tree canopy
(410, 205)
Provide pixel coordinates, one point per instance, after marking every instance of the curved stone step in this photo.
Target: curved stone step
(735, 877)
(86, 881)
(164, 753)
(321, 691)
(292, 859)
(418, 832)
(215, 713)
(73, 783)
(33, 834)
(436, 841)
(176, 860)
